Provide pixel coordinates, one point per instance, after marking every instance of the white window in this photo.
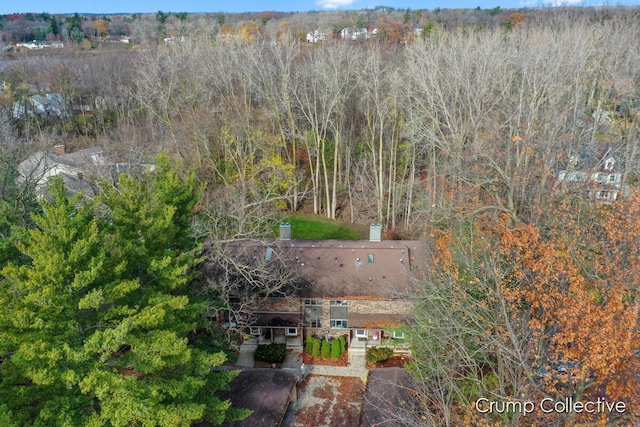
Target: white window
(338, 303)
(398, 334)
(608, 165)
(291, 332)
(613, 177)
(605, 194)
(338, 323)
(314, 323)
(361, 333)
(313, 313)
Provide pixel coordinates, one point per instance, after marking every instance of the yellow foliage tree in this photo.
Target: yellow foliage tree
(101, 28)
(249, 30)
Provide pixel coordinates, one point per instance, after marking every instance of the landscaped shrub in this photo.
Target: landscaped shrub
(379, 354)
(308, 345)
(326, 348)
(271, 353)
(315, 349)
(335, 349)
(343, 344)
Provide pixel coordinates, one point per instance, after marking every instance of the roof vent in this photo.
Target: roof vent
(375, 233)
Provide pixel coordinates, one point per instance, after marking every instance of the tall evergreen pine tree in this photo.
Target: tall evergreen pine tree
(94, 328)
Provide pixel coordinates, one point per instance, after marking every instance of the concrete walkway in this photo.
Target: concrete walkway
(246, 356)
(356, 367)
(293, 361)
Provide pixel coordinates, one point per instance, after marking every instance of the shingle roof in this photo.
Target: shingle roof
(265, 391)
(389, 398)
(343, 269)
(375, 320)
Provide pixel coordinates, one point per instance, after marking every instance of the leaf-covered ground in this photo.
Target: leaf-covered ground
(325, 401)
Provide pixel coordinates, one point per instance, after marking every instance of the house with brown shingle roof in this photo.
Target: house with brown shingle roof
(389, 399)
(356, 288)
(265, 392)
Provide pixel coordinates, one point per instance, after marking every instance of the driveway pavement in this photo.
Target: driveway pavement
(356, 367)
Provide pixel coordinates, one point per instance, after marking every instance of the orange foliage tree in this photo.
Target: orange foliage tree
(526, 312)
(391, 31)
(577, 279)
(512, 20)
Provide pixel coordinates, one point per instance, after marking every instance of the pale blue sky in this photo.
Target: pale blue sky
(152, 6)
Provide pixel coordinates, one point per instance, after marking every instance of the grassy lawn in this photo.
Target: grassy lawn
(316, 227)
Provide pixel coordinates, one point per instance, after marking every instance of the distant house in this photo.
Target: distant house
(601, 175)
(360, 289)
(80, 170)
(36, 44)
(44, 106)
(316, 36)
(355, 33)
(170, 41)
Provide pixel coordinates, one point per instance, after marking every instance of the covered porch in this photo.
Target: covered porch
(279, 328)
(372, 330)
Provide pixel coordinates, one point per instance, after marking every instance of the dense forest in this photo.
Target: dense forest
(400, 130)
(449, 126)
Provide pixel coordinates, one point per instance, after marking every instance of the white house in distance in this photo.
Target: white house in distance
(601, 175)
(354, 33)
(316, 36)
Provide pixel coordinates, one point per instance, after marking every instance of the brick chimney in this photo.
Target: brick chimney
(375, 233)
(285, 231)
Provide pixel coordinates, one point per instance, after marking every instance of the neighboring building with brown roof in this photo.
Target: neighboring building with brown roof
(266, 392)
(390, 400)
(358, 288)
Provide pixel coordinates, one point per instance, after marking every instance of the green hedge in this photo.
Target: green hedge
(326, 348)
(271, 353)
(379, 354)
(335, 349)
(321, 347)
(308, 345)
(316, 347)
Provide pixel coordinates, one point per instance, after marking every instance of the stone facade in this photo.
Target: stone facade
(325, 317)
(357, 288)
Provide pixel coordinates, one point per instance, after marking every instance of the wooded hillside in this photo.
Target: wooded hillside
(403, 134)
